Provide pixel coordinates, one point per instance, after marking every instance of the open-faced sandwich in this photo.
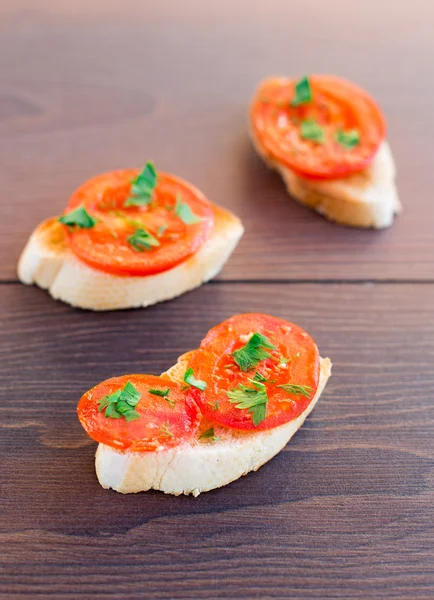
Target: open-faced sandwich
(223, 410)
(326, 137)
(130, 239)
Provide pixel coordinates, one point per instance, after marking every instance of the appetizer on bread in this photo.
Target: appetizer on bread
(130, 239)
(326, 137)
(223, 410)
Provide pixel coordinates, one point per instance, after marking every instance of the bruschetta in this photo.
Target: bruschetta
(129, 239)
(327, 139)
(222, 411)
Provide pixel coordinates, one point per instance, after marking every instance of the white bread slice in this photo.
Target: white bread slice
(366, 199)
(48, 262)
(199, 465)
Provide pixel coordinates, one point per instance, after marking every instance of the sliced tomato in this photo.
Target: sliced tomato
(337, 106)
(295, 360)
(164, 422)
(106, 247)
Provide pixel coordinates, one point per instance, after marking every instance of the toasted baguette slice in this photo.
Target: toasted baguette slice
(200, 465)
(365, 199)
(48, 262)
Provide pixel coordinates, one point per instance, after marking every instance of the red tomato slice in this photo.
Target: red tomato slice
(105, 246)
(161, 424)
(336, 105)
(213, 362)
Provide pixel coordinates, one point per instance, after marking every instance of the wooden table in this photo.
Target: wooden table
(347, 510)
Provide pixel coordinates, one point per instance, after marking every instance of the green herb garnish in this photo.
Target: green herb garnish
(161, 230)
(209, 435)
(184, 212)
(78, 218)
(143, 186)
(132, 222)
(142, 240)
(163, 394)
(349, 138)
(191, 380)
(156, 392)
(165, 430)
(303, 92)
(121, 403)
(262, 379)
(252, 398)
(310, 130)
(249, 355)
(297, 390)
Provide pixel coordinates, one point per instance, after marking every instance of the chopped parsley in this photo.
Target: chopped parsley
(303, 92)
(349, 138)
(209, 435)
(78, 218)
(121, 403)
(165, 430)
(156, 392)
(132, 222)
(262, 379)
(161, 230)
(249, 355)
(254, 399)
(184, 212)
(297, 390)
(142, 240)
(191, 380)
(310, 130)
(163, 394)
(143, 186)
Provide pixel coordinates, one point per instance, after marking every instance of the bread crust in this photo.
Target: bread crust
(49, 263)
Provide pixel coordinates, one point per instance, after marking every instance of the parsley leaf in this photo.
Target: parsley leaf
(310, 130)
(121, 403)
(303, 92)
(209, 435)
(349, 138)
(132, 222)
(254, 399)
(158, 392)
(184, 212)
(143, 186)
(191, 380)
(161, 230)
(297, 390)
(142, 239)
(249, 355)
(259, 377)
(164, 394)
(165, 430)
(78, 218)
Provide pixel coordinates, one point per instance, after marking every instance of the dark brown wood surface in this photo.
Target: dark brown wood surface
(347, 509)
(88, 86)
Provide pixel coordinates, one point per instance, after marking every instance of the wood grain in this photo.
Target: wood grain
(346, 510)
(91, 86)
